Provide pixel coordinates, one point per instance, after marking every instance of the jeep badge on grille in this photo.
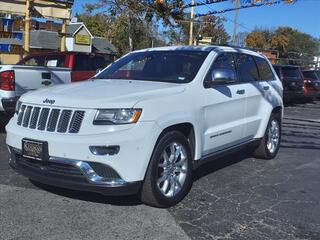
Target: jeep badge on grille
(49, 101)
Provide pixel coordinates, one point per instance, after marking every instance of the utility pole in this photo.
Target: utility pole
(191, 23)
(27, 20)
(63, 36)
(235, 22)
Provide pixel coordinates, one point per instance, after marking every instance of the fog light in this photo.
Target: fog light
(105, 150)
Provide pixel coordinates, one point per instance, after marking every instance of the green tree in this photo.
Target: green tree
(212, 26)
(291, 44)
(136, 17)
(98, 24)
(257, 40)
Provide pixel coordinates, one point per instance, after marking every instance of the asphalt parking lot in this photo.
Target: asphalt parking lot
(236, 197)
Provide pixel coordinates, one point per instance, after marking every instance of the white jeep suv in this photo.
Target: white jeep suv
(143, 123)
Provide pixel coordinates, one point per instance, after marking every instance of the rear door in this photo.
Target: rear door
(224, 110)
(249, 78)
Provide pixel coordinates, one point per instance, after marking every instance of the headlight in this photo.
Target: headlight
(117, 116)
(18, 105)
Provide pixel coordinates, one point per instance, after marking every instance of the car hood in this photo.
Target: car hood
(101, 93)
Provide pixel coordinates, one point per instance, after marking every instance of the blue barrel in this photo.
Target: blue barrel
(17, 35)
(5, 47)
(7, 22)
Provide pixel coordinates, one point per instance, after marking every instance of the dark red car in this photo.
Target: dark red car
(292, 81)
(311, 84)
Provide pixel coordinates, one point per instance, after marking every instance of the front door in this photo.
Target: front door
(224, 110)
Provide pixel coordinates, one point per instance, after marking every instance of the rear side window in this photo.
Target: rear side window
(100, 62)
(265, 71)
(81, 63)
(247, 68)
(90, 62)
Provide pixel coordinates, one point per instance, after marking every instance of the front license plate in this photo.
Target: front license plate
(34, 149)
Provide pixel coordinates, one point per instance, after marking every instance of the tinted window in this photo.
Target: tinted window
(92, 62)
(312, 75)
(100, 62)
(81, 63)
(291, 72)
(34, 61)
(223, 61)
(48, 61)
(277, 69)
(247, 68)
(55, 61)
(265, 71)
(160, 66)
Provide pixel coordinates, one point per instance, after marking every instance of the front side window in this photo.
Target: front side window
(265, 71)
(159, 66)
(247, 68)
(224, 62)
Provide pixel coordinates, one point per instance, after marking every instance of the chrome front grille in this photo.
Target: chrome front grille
(50, 119)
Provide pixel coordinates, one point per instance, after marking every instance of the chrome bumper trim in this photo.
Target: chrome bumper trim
(85, 169)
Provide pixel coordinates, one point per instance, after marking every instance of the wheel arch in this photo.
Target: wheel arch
(189, 131)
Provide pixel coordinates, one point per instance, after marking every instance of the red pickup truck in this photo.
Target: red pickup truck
(83, 65)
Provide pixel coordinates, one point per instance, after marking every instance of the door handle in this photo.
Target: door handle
(266, 88)
(241, 91)
(46, 83)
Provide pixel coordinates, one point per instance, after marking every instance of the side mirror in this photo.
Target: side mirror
(99, 70)
(220, 76)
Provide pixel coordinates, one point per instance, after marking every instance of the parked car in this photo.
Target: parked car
(311, 84)
(292, 80)
(45, 69)
(143, 123)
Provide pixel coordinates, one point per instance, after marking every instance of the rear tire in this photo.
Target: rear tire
(169, 175)
(269, 145)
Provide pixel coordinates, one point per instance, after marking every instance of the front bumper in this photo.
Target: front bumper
(9, 104)
(136, 144)
(73, 174)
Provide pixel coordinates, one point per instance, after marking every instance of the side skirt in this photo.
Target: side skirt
(221, 153)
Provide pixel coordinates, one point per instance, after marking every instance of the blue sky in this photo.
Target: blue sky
(304, 15)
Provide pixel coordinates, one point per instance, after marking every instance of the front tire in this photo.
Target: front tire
(270, 143)
(169, 175)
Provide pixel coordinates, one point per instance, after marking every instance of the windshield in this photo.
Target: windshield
(159, 66)
(312, 75)
(291, 72)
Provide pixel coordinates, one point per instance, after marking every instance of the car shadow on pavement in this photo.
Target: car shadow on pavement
(215, 164)
(131, 200)
(201, 171)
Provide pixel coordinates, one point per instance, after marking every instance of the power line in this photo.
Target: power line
(239, 8)
(239, 24)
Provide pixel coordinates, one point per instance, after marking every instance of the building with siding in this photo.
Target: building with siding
(44, 37)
